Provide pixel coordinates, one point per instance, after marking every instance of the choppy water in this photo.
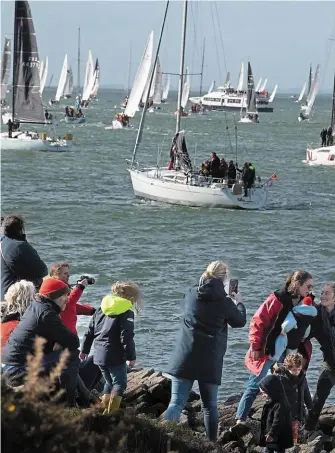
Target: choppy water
(80, 207)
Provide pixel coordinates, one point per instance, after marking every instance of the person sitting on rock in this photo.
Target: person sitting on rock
(111, 331)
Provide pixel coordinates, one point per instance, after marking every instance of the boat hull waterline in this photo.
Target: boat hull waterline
(24, 142)
(146, 185)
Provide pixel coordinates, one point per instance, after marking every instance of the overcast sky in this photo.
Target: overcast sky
(281, 39)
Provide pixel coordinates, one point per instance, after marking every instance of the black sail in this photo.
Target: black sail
(251, 95)
(27, 99)
(5, 68)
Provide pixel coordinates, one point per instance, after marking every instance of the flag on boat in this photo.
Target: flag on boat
(274, 176)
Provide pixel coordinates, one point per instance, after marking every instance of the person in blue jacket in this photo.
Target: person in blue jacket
(202, 344)
(111, 332)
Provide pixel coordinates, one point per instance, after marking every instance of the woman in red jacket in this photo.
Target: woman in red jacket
(265, 326)
(17, 299)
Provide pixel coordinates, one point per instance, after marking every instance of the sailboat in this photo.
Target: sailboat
(325, 155)
(89, 80)
(44, 74)
(185, 94)
(68, 88)
(273, 94)
(5, 71)
(157, 93)
(239, 87)
(301, 95)
(306, 109)
(122, 119)
(27, 100)
(96, 77)
(178, 183)
(61, 82)
(251, 113)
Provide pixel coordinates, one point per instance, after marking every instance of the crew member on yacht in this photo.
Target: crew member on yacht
(10, 128)
(330, 136)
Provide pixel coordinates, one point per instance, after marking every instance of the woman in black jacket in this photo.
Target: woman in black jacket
(202, 344)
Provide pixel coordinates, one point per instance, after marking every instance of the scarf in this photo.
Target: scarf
(328, 324)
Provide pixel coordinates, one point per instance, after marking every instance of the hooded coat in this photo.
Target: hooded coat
(203, 335)
(276, 418)
(324, 333)
(111, 331)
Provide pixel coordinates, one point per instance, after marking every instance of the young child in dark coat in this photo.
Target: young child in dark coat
(296, 388)
(276, 422)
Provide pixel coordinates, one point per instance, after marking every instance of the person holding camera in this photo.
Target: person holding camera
(61, 271)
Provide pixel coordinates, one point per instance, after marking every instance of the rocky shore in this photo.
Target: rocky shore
(32, 421)
(148, 393)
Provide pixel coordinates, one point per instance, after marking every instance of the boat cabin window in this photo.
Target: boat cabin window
(234, 101)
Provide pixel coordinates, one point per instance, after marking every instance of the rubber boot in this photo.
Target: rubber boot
(114, 404)
(105, 399)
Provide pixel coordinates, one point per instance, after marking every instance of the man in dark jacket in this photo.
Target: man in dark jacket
(19, 260)
(41, 319)
(231, 174)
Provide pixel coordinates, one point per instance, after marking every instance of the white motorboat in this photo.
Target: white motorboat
(122, 120)
(178, 183)
(324, 155)
(27, 105)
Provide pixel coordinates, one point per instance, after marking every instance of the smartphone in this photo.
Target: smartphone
(233, 287)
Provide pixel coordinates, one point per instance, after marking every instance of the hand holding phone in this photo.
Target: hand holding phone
(233, 287)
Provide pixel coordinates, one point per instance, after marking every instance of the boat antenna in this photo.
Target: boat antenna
(78, 62)
(181, 72)
(141, 125)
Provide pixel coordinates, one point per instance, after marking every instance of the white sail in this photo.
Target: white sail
(240, 79)
(262, 88)
(146, 88)
(211, 88)
(40, 72)
(166, 88)
(186, 90)
(140, 79)
(157, 96)
(69, 84)
(89, 77)
(314, 90)
(301, 95)
(258, 85)
(44, 75)
(273, 94)
(62, 80)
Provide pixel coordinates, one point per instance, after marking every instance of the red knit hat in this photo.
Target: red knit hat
(53, 288)
(307, 300)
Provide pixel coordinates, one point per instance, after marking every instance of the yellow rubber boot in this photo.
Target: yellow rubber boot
(105, 399)
(114, 404)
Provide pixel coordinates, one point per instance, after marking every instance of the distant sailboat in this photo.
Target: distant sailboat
(122, 120)
(240, 82)
(306, 110)
(166, 88)
(251, 113)
(5, 70)
(302, 92)
(27, 100)
(211, 88)
(96, 77)
(61, 82)
(89, 80)
(273, 94)
(68, 88)
(44, 74)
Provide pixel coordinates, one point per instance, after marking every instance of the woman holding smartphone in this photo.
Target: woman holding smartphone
(202, 344)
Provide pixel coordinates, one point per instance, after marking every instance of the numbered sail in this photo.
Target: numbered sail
(27, 107)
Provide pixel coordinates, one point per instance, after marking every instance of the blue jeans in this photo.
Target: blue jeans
(252, 391)
(115, 379)
(180, 392)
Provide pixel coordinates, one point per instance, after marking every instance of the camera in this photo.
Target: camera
(90, 280)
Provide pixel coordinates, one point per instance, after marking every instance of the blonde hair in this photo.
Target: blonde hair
(216, 269)
(17, 298)
(295, 280)
(57, 267)
(130, 291)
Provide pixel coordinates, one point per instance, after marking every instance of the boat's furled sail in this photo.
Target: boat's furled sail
(140, 79)
(251, 95)
(62, 80)
(180, 153)
(5, 68)
(240, 79)
(166, 88)
(27, 107)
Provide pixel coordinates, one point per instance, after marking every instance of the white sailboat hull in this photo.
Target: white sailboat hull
(118, 125)
(21, 141)
(73, 120)
(321, 156)
(172, 187)
(247, 120)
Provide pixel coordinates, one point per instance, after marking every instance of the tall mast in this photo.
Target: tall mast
(129, 69)
(202, 66)
(181, 71)
(14, 88)
(78, 62)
